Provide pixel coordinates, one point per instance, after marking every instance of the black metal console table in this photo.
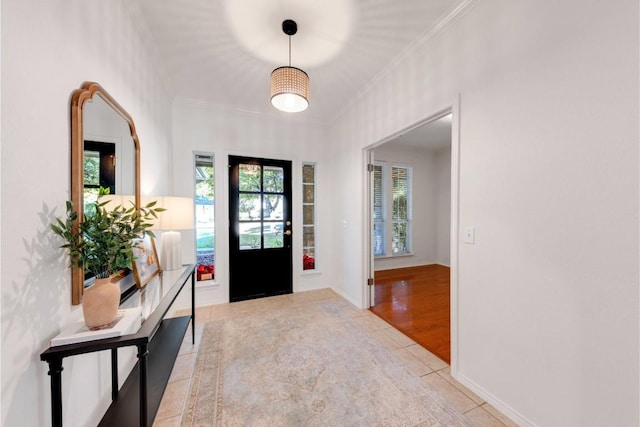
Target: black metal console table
(158, 341)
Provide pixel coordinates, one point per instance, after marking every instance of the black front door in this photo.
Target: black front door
(259, 228)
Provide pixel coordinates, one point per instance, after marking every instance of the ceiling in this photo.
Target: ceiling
(223, 51)
(432, 136)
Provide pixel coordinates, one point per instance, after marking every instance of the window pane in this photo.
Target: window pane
(308, 193)
(249, 208)
(272, 233)
(378, 193)
(308, 236)
(273, 206)
(250, 235)
(90, 196)
(250, 177)
(308, 173)
(91, 168)
(273, 179)
(307, 214)
(400, 194)
(400, 238)
(379, 245)
(378, 239)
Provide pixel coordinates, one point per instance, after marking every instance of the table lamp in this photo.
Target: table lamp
(179, 215)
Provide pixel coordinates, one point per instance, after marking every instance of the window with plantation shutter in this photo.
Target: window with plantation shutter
(378, 211)
(391, 209)
(401, 212)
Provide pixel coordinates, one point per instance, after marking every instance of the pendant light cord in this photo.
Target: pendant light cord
(289, 51)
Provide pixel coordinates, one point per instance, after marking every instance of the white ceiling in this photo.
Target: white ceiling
(431, 136)
(223, 51)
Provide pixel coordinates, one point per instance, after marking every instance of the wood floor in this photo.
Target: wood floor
(416, 301)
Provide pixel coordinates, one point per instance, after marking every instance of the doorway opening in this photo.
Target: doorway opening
(412, 245)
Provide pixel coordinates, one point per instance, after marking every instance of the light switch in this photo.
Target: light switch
(469, 235)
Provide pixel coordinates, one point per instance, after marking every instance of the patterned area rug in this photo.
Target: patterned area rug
(306, 365)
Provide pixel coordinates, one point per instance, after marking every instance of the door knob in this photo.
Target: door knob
(288, 232)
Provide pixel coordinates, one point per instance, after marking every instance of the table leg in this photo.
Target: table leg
(114, 374)
(55, 371)
(193, 308)
(142, 361)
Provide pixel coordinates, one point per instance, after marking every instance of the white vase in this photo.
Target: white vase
(100, 303)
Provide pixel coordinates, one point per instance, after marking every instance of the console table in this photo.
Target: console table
(158, 341)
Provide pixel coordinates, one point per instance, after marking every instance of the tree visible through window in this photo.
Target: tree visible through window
(400, 178)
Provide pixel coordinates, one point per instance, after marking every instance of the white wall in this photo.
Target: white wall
(201, 127)
(442, 159)
(48, 50)
(547, 298)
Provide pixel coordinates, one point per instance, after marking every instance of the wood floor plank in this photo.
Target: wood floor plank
(417, 301)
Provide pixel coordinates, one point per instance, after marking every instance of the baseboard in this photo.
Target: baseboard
(508, 411)
(419, 264)
(347, 297)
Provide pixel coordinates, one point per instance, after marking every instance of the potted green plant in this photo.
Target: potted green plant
(101, 243)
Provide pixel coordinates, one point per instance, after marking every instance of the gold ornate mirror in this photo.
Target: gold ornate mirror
(105, 152)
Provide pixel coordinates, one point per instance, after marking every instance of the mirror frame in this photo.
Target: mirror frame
(86, 93)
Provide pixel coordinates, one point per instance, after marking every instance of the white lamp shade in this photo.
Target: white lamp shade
(178, 215)
(171, 250)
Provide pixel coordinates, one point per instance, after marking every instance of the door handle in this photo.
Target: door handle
(287, 232)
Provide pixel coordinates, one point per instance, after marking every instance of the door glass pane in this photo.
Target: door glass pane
(250, 234)
(91, 168)
(249, 208)
(273, 206)
(90, 197)
(250, 177)
(272, 233)
(273, 179)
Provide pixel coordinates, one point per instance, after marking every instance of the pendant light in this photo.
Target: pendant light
(289, 85)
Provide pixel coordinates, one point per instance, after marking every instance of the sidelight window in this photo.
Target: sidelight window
(204, 215)
(308, 216)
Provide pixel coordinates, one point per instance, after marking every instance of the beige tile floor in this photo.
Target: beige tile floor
(433, 371)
